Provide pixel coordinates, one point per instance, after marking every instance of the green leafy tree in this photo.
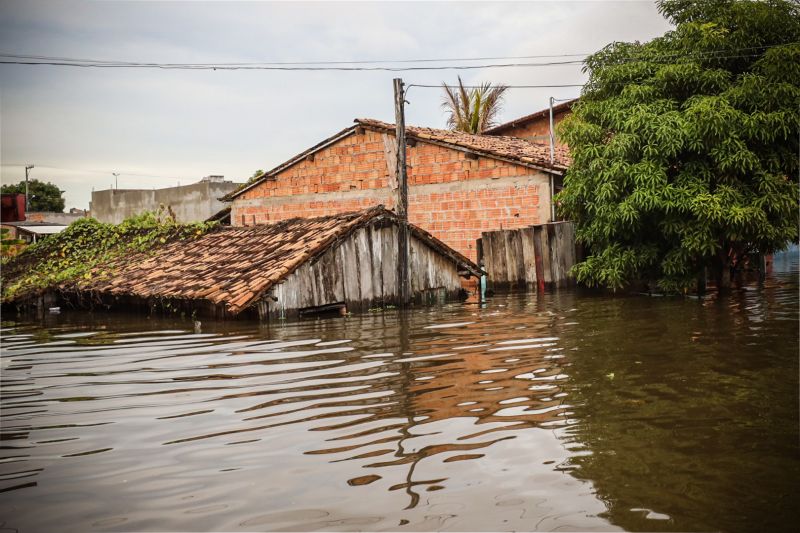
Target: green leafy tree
(41, 196)
(472, 110)
(685, 148)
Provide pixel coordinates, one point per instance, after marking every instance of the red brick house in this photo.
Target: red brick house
(459, 184)
(534, 127)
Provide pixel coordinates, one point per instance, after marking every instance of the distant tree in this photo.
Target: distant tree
(685, 147)
(41, 196)
(472, 110)
(256, 175)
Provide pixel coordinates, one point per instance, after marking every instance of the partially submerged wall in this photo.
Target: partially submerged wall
(361, 273)
(529, 258)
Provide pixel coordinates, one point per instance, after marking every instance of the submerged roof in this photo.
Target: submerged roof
(511, 149)
(235, 266)
(495, 130)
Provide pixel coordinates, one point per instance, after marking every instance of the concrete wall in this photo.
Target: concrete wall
(190, 203)
(450, 195)
(53, 217)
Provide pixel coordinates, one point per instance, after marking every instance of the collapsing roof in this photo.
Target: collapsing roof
(511, 149)
(234, 267)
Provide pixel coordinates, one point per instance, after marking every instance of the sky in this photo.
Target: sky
(160, 128)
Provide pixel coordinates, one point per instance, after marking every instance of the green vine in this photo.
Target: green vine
(86, 250)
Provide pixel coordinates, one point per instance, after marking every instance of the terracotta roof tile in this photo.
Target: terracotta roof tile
(511, 148)
(234, 266)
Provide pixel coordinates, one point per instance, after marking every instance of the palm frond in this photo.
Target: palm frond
(473, 110)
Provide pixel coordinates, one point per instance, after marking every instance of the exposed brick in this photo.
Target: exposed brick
(358, 162)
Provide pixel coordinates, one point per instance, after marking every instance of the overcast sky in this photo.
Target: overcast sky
(158, 128)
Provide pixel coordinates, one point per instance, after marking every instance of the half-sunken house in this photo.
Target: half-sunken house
(340, 262)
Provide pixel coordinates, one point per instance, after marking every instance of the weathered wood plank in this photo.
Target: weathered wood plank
(364, 252)
(499, 257)
(519, 260)
(528, 256)
(509, 259)
(376, 243)
(389, 264)
(349, 262)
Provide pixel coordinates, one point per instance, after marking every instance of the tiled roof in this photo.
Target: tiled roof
(527, 118)
(510, 148)
(234, 266)
(507, 148)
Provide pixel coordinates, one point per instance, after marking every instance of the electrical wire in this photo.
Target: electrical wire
(568, 85)
(19, 59)
(291, 63)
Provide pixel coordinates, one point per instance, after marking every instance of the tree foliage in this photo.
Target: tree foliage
(41, 196)
(685, 148)
(472, 110)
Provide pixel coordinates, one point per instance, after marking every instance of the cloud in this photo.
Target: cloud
(185, 124)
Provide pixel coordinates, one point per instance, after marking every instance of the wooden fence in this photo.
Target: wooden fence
(536, 257)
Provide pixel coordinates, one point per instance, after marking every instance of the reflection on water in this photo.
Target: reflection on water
(557, 412)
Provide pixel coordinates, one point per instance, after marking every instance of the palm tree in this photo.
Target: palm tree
(473, 110)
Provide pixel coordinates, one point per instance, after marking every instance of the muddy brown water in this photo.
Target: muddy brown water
(565, 411)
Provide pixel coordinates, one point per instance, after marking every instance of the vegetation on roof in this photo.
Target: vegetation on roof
(86, 250)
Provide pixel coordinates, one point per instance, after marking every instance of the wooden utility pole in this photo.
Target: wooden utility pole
(402, 194)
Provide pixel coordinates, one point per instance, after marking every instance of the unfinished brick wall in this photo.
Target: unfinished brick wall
(535, 130)
(450, 195)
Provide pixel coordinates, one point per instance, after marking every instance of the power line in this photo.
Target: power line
(299, 63)
(509, 86)
(18, 59)
(353, 62)
(169, 66)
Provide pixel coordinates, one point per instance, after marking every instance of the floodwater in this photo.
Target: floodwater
(565, 411)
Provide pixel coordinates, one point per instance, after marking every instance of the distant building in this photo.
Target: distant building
(536, 126)
(30, 231)
(53, 217)
(189, 203)
(12, 207)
